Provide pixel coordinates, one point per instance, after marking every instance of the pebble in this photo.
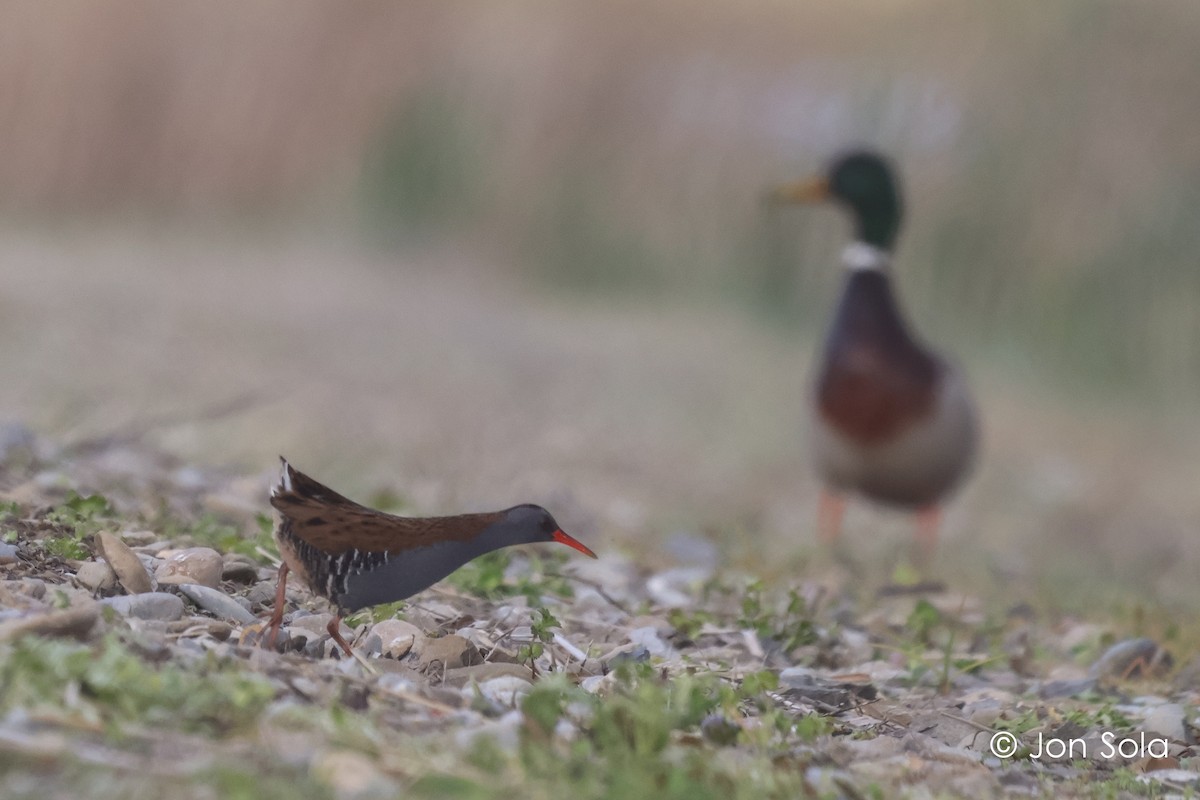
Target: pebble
(139, 538)
(692, 550)
(77, 622)
(649, 639)
(984, 706)
(96, 575)
(479, 673)
(591, 601)
(50, 479)
(261, 594)
(569, 648)
(1066, 688)
(506, 690)
(8, 553)
(513, 616)
(397, 637)
(130, 571)
(14, 437)
(217, 602)
(676, 588)
(444, 612)
(1167, 720)
(660, 624)
(351, 774)
(371, 645)
(628, 653)
(191, 478)
(596, 683)
(447, 652)
(855, 647)
(29, 587)
(719, 729)
(149, 605)
(317, 624)
(197, 565)
(409, 681)
(194, 626)
(238, 568)
(478, 636)
(505, 732)
(1176, 777)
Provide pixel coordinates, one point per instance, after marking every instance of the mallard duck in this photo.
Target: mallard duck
(892, 419)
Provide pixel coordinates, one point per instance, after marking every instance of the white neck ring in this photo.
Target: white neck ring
(862, 256)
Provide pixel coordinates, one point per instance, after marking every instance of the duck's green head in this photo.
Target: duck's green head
(862, 181)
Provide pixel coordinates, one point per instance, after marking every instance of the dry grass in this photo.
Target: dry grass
(1048, 152)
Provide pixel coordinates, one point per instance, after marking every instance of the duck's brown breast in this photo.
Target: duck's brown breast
(875, 380)
(871, 391)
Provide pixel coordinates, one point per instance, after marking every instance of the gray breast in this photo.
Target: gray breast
(406, 573)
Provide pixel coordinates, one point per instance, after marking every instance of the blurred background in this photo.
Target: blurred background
(478, 254)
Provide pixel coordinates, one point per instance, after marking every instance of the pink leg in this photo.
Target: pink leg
(276, 619)
(829, 516)
(929, 519)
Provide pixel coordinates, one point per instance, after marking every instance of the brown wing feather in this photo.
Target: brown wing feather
(331, 523)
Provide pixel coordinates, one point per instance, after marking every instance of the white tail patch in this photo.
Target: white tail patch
(285, 479)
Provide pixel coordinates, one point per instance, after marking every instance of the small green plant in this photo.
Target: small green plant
(1019, 723)
(791, 628)
(106, 683)
(689, 623)
(756, 683)
(80, 510)
(1104, 717)
(644, 736)
(543, 634)
(68, 547)
(210, 531)
(377, 613)
(811, 727)
(77, 518)
(924, 620)
(500, 574)
(9, 511)
(484, 576)
(630, 742)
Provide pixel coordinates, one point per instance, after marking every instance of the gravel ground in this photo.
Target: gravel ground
(129, 652)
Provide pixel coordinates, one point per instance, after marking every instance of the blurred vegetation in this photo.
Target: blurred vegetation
(420, 176)
(108, 686)
(1047, 151)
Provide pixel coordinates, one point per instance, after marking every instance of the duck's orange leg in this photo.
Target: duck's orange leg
(829, 516)
(929, 519)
